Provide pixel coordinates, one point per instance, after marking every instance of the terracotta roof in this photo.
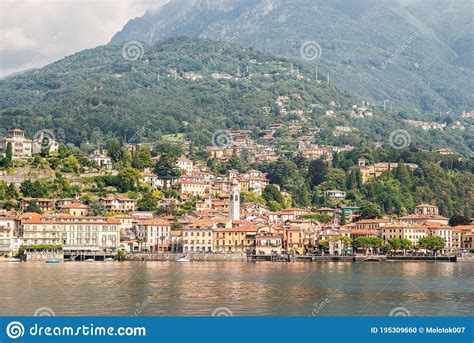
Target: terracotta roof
(155, 222)
(364, 232)
(464, 227)
(372, 221)
(75, 205)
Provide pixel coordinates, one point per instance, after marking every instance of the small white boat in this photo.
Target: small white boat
(14, 259)
(89, 260)
(182, 259)
(109, 259)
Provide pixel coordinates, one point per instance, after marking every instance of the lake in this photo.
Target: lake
(237, 288)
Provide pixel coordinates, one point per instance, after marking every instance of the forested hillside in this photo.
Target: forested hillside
(416, 54)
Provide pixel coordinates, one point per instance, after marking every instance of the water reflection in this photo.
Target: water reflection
(263, 288)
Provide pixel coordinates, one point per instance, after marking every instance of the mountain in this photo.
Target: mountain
(177, 85)
(416, 54)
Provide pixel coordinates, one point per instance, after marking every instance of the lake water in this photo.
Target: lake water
(240, 288)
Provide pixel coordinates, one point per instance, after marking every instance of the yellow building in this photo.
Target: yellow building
(411, 232)
(236, 239)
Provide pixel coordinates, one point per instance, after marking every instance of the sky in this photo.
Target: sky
(34, 33)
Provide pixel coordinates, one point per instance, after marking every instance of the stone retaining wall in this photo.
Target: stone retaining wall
(190, 256)
(44, 256)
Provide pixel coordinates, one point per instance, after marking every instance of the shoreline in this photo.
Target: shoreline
(243, 257)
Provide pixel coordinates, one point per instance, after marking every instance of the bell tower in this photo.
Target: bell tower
(234, 201)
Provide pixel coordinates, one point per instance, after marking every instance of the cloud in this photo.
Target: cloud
(34, 33)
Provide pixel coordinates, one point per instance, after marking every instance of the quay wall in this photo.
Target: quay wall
(44, 256)
(190, 256)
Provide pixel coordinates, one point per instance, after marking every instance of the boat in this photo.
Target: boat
(182, 259)
(53, 261)
(89, 260)
(109, 259)
(14, 259)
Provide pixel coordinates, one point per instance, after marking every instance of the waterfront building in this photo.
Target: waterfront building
(295, 239)
(411, 232)
(443, 231)
(8, 235)
(156, 234)
(235, 239)
(463, 237)
(176, 241)
(73, 233)
(197, 239)
(268, 243)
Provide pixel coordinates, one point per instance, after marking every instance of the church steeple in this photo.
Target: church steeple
(234, 201)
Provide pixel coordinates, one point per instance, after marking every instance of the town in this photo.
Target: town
(172, 204)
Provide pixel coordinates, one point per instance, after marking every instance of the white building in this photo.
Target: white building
(335, 194)
(8, 241)
(73, 233)
(157, 233)
(118, 204)
(185, 164)
(190, 187)
(101, 159)
(22, 147)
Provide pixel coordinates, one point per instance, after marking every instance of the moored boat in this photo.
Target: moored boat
(182, 259)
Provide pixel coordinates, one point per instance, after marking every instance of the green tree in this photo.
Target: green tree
(271, 193)
(33, 207)
(459, 219)
(432, 243)
(141, 158)
(322, 218)
(317, 171)
(9, 154)
(148, 202)
(166, 167)
(127, 179)
(369, 210)
(323, 245)
(97, 208)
